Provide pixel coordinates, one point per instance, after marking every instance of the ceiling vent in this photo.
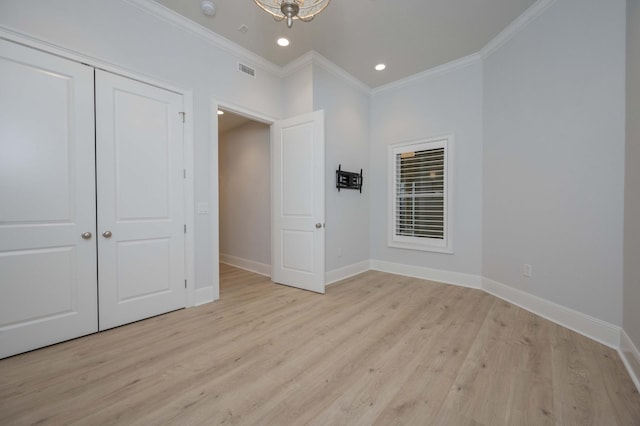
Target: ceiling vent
(247, 70)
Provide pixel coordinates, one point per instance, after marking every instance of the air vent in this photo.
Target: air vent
(247, 70)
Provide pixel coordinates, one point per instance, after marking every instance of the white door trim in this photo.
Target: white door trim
(26, 40)
(214, 207)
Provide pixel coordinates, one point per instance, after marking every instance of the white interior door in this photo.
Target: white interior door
(47, 200)
(139, 143)
(298, 202)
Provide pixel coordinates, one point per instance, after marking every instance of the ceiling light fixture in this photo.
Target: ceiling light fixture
(380, 67)
(283, 42)
(303, 10)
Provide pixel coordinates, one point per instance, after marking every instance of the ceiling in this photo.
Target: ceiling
(409, 36)
(229, 121)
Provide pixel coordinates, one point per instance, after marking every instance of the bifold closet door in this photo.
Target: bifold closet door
(48, 290)
(140, 181)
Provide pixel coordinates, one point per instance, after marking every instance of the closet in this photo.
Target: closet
(91, 199)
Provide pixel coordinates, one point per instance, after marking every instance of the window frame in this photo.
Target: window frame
(444, 245)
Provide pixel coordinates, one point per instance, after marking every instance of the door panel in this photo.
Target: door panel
(139, 142)
(48, 285)
(143, 268)
(142, 149)
(297, 250)
(298, 202)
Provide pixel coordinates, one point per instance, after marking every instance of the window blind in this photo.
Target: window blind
(420, 197)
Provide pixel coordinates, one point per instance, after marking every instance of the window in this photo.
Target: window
(420, 195)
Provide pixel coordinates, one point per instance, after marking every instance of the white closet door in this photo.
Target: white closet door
(139, 143)
(47, 200)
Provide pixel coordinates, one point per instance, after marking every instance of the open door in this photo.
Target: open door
(297, 186)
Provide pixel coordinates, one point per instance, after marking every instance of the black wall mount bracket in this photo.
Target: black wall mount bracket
(348, 180)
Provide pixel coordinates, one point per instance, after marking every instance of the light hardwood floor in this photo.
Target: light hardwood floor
(376, 349)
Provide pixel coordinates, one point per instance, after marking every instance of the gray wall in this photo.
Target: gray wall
(245, 192)
(119, 33)
(298, 92)
(539, 142)
(431, 106)
(554, 157)
(631, 322)
(346, 142)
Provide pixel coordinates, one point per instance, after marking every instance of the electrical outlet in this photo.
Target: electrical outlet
(527, 270)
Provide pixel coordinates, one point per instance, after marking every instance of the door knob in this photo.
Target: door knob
(106, 234)
(86, 235)
(318, 225)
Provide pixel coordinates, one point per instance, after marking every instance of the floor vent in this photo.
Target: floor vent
(247, 70)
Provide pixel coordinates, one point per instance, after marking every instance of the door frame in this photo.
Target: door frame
(214, 202)
(187, 94)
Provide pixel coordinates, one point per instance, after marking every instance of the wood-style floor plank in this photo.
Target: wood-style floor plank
(375, 349)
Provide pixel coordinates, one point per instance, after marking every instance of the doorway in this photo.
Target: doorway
(290, 225)
(244, 192)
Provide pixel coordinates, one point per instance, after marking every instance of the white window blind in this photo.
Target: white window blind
(419, 194)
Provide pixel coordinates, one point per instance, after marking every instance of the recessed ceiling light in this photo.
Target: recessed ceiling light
(283, 42)
(220, 112)
(380, 67)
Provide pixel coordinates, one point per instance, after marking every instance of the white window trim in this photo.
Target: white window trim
(414, 243)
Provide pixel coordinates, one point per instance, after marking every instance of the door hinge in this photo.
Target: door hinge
(183, 114)
(185, 283)
(185, 228)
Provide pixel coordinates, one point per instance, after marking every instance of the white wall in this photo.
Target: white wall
(631, 323)
(435, 104)
(298, 91)
(114, 31)
(245, 193)
(346, 110)
(551, 152)
(554, 157)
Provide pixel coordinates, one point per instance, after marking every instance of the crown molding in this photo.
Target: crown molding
(493, 45)
(431, 73)
(334, 69)
(516, 26)
(297, 64)
(173, 18)
(314, 58)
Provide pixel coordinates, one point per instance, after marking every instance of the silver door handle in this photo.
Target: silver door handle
(106, 234)
(86, 235)
(318, 225)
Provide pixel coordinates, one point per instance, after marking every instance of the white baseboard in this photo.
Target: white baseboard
(439, 275)
(203, 295)
(247, 265)
(593, 328)
(339, 274)
(630, 357)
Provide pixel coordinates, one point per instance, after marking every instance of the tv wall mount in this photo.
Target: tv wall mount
(348, 180)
